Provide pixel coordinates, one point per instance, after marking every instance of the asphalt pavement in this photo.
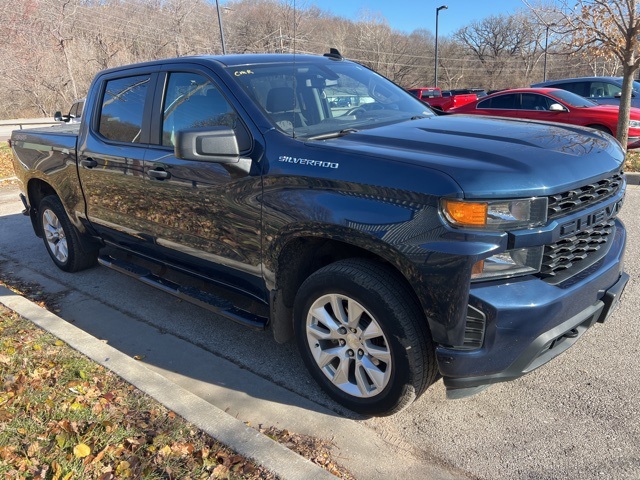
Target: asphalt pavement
(574, 418)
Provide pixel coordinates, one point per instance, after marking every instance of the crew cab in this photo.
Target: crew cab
(394, 245)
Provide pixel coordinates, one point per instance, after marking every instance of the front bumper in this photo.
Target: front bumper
(530, 322)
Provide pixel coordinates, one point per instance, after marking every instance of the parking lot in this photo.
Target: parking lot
(574, 418)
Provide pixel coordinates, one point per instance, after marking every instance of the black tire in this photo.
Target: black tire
(61, 238)
(387, 360)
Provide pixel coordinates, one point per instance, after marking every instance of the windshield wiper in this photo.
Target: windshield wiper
(341, 133)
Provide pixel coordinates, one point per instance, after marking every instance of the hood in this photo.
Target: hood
(493, 157)
(634, 112)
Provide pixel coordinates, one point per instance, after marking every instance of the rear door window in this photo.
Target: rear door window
(579, 88)
(122, 110)
(502, 102)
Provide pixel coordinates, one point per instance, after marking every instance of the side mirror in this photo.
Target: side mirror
(58, 117)
(211, 144)
(556, 107)
(619, 95)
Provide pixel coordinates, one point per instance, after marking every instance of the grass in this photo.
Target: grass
(632, 161)
(6, 165)
(63, 417)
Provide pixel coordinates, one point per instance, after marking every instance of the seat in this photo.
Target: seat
(599, 92)
(282, 108)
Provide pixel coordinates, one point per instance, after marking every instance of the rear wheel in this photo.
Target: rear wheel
(363, 337)
(61, 238)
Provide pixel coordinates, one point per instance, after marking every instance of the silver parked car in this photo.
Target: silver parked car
(75, 112)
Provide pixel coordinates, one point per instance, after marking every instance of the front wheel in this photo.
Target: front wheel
(363, 337)
(61, 238)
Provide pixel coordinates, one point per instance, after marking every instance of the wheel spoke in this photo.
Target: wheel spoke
(341, 376)
(322, 316)
(338, 309)
(373, 373)
(355, 313)
(372, 331)
(323, 357)
(319, 333)
(380, 353)
(62, 251)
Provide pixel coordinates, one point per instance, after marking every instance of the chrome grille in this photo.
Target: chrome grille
(575, 253)
(579, 198)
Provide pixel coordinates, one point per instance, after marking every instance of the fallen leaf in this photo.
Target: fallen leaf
(81, 450)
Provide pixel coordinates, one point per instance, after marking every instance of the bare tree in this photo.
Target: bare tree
(51, 49)
(503, 45)
(607, 30)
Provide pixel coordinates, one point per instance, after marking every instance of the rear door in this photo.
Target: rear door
(202, 216)
(112, 155)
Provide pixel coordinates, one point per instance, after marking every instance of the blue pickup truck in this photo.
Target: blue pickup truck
(395, 245)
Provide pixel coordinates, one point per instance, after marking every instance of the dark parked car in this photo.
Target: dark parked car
(603, 90)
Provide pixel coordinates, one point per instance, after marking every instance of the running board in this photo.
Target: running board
(193, 295)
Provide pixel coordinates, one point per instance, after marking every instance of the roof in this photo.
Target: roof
(235, 60)
(578, 79)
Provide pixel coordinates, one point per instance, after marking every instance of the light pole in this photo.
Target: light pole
(546, 44)
(224, 50)
(435, 82)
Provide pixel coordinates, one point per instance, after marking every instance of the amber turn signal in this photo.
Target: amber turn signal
(466, 213)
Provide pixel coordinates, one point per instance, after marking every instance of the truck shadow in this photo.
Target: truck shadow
(227, 364)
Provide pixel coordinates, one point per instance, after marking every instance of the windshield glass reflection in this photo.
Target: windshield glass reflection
(313, 101)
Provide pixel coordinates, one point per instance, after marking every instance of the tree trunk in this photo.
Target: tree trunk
(625, 103)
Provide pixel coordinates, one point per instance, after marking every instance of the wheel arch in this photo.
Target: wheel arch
(302, 255)
(37, 189)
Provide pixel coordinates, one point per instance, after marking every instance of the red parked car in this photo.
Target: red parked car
(437, 100)
(554, 105)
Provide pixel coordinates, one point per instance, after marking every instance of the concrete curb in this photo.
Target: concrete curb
(284, 463)
(633, 178)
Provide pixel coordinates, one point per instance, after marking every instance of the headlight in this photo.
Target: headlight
(523, 261)
(634, 123)
(496, 215)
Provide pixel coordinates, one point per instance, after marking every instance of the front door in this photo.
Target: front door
(202, 215)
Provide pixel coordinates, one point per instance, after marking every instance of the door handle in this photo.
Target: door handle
(159, 174)
(88, 163)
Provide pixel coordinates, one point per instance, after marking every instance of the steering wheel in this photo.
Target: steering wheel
(357, 111)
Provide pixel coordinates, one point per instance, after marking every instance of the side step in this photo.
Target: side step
(193, 295)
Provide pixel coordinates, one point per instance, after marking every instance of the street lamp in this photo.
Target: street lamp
(435, 83)
(224, 50)
(546, 44)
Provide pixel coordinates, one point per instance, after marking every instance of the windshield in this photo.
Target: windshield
(321, 100)
(572, 99)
